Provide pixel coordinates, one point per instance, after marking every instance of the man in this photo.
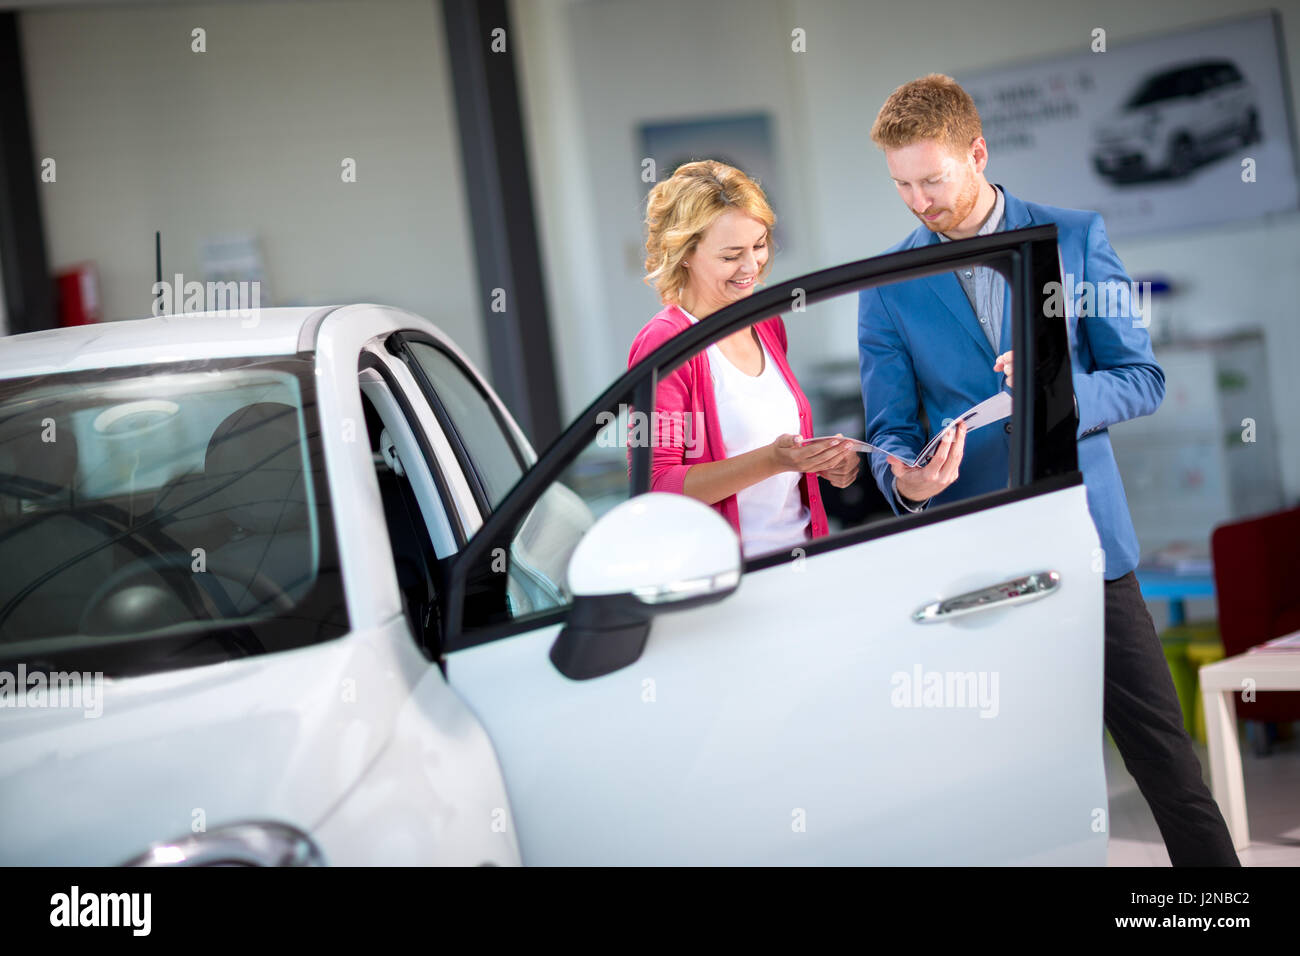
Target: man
(942, 343)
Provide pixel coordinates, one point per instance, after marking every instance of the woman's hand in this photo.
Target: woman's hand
(711, 481)
(844, 471)
(789, 453)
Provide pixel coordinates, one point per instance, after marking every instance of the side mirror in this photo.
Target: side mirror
(653, 553)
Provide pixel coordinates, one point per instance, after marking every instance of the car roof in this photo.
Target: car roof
(167, 338)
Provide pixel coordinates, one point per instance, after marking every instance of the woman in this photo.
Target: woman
(709, 237)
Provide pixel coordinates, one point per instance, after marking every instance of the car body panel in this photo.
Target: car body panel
(280, 737)
(778, 706)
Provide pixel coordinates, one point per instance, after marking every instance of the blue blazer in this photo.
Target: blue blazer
(920, 346)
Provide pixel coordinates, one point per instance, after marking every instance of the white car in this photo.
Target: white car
(1176, 121)
(297, 590)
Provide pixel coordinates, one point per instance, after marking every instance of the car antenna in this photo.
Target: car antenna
(157, 258)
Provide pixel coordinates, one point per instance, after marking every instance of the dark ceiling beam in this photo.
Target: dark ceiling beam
(28, 288)
(494, 155)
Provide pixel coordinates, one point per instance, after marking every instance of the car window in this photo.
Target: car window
(1228, 74)
(530, 568)
(491, 455)
(140, 507)
(882, 369)
(1165, 86)
(1152, 90)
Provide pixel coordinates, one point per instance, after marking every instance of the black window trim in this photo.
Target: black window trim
(413, 514)
(1027, 258)
(399, 344)
(369, 360)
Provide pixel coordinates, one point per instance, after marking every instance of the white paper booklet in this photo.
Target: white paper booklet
(992, 409)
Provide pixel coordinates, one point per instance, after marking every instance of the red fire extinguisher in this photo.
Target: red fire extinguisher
(78, 291)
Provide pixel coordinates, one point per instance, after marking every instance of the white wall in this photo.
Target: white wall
(248, 137)
(611, 64)
(595, 70)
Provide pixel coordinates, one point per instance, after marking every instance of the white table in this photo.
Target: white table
(1264, 671)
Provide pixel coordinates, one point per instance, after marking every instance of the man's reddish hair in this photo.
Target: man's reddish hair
(933, 107)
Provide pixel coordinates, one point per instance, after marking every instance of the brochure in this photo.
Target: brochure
(992, 409)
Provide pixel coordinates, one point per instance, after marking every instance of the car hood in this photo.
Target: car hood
(277, 737)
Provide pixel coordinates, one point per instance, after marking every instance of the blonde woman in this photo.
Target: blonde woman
(708, 244)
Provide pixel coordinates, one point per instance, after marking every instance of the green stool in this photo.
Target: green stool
(1178, 640)
(1200, 653)
(1184, 677)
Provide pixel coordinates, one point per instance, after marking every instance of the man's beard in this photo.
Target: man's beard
(961, 209)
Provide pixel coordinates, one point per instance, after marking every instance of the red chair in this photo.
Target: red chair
(1256, 563)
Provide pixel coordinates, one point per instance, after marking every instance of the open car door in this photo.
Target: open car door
(923, 689)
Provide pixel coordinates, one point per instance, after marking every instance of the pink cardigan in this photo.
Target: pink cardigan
(686, 395)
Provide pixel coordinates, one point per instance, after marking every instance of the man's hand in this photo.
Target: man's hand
(1003, 364)
(918, 484)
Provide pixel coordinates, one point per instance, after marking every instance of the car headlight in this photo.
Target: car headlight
(238, 844)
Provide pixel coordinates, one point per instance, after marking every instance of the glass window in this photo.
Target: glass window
(146, 504)
(491, 451)
(1164, 86)
(894, 368)
(532, 564)
(924, 368)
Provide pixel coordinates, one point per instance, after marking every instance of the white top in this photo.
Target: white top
(752, 411)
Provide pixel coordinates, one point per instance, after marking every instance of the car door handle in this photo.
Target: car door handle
(1031, 587)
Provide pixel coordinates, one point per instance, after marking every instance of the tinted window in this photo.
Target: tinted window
(1202, 79)
(1166, 86)
(1227, 74)
(491, 451)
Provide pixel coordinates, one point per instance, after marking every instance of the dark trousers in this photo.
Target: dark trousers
(1144, 719)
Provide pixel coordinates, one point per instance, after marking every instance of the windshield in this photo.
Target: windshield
(1165, 86)
(163, 516)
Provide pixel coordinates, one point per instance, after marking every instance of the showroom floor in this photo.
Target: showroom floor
(1272, 805)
